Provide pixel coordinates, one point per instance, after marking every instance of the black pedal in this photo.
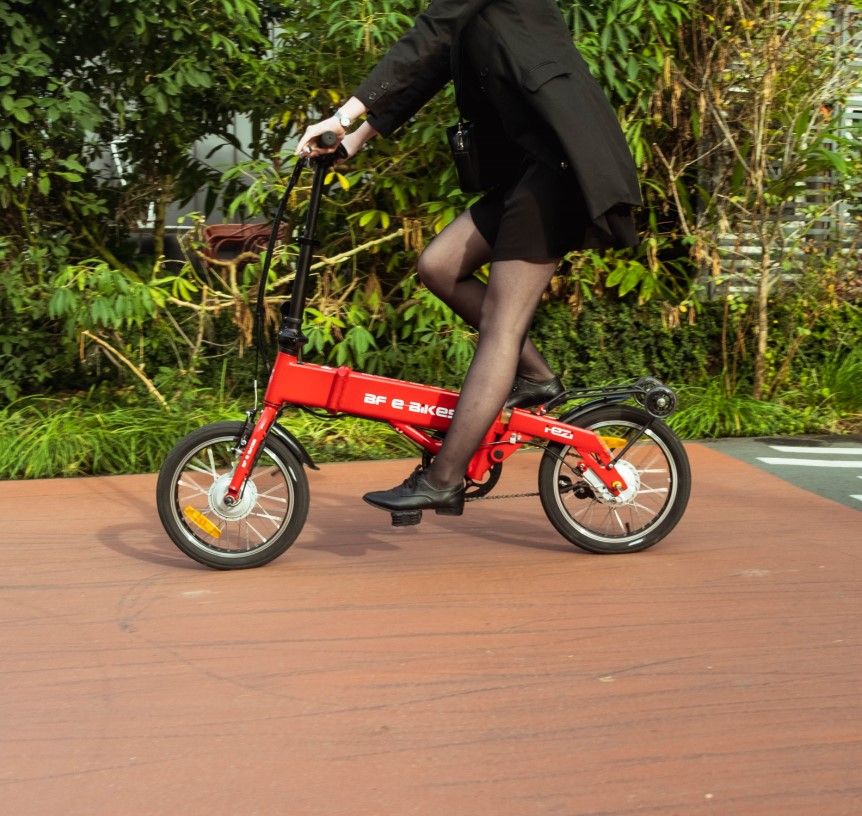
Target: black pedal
(406, 518)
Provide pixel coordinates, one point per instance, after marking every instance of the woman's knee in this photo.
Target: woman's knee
(430, 269)
(455, 254)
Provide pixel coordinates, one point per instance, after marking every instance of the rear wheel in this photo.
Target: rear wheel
(656, 472)
(264, 522)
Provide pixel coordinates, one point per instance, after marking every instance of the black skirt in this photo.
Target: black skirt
(532, 216)
(538, 213)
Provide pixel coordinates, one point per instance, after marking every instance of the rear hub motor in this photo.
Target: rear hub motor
(627, 496)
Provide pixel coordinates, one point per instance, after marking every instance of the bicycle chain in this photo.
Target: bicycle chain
(504, 496)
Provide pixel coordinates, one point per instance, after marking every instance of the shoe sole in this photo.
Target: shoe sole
(440, 511)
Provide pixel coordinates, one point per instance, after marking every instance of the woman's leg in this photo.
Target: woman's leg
(506, 311)
(446, 267)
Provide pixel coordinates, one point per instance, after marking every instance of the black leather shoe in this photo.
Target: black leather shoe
(415, 493)
(527, 393)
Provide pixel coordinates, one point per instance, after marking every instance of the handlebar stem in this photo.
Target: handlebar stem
(290, 336)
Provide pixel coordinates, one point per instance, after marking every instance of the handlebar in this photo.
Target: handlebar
(329, 139)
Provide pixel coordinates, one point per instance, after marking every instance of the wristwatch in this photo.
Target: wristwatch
(343, 119)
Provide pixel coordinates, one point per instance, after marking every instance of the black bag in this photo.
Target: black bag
(465, 153)
(462, 138)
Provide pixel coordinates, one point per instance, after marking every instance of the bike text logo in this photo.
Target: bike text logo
(413, 407)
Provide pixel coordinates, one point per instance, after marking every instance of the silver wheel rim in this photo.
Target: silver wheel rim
(259, 519)
(629, 523)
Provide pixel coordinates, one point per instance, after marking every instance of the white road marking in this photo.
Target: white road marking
(775, 460)
(852, 496)
(830, 451)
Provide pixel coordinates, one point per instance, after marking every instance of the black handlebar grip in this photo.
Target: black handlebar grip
(327, 139)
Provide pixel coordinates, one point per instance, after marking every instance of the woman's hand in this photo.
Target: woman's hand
(351, 142)
(308, 146)
(352, 109)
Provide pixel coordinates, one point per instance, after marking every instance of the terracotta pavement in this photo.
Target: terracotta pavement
(478, 665)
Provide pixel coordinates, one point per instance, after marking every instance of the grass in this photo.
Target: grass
(92, 434)
(42, 437)
(707, 412)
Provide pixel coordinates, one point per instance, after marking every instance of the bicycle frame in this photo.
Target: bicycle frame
(410, 408)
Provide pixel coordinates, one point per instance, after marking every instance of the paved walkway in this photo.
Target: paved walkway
(830, 466)
(467, 666)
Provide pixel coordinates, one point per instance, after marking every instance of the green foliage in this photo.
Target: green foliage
(424, 341)
(30, 355)
(707, 411)
(627, 43)
(775, 117)
(840, 381)
(92, 295)
(407, 332)
(82, 310)
(147, 78)
(835, 385)
(613, 341)
(90, 434)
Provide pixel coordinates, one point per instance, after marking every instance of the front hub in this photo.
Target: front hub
(240, 507)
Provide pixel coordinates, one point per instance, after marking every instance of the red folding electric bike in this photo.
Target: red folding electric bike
(613, 477)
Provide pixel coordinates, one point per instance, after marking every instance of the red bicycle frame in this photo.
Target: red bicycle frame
(410, 408)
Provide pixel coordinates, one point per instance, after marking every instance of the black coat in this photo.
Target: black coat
(520, 53)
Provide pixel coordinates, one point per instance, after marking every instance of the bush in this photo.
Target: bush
(91, 434)
(614, 340)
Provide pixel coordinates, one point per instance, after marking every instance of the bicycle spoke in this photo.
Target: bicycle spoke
(256, 532)
(197, 488)
(202, 468)
(645, 467)
(266, 494)
(266, 515)
(585, 512)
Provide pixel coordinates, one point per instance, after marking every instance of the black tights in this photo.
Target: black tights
(502, 312)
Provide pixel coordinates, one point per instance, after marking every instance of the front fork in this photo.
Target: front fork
(250, 452)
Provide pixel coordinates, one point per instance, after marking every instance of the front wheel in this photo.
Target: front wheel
(264, 522)
(656, 472)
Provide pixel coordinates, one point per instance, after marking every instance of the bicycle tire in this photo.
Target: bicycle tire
(601, 526)
(213, 534)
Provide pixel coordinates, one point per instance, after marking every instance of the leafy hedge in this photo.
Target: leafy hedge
(93, 320)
